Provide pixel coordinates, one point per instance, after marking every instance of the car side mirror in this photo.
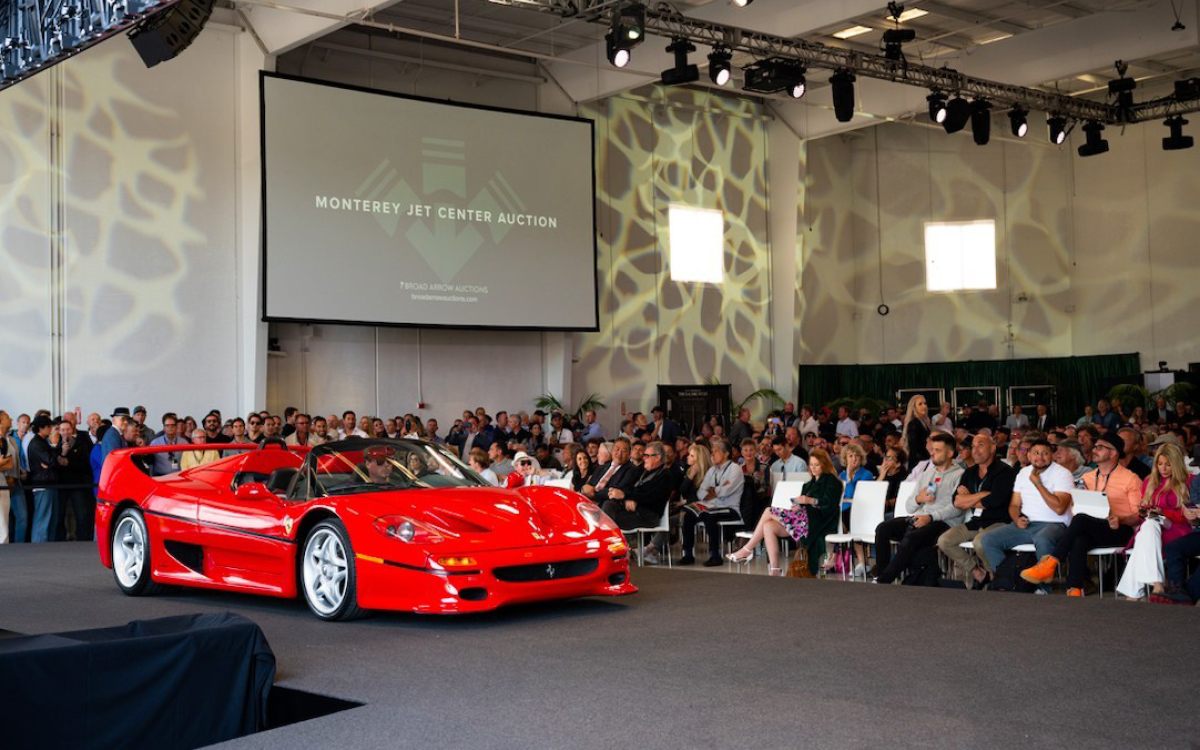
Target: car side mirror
(253, 491)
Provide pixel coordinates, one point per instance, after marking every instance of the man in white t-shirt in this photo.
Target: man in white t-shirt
(845, 425)
(1040, 508)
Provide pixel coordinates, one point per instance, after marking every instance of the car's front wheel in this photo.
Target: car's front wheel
(327, 575)
(131, 554)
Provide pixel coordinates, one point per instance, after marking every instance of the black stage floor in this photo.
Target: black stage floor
(695, 660)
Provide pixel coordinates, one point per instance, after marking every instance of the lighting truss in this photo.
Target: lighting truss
(36, 34)
(666, 22)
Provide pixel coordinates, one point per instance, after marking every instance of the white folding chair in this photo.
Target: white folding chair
(907, 490)
(564, 483)
(785, 492)
(1095, 504)
(664, 525)
(866, 513)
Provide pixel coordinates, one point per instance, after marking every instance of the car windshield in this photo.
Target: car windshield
(372, 465)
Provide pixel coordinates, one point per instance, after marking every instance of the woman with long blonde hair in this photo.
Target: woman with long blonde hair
(1166, 490)
(916, 431)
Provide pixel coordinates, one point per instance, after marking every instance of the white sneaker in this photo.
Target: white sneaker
(860, 571)
(1042, 591)
(648, 557)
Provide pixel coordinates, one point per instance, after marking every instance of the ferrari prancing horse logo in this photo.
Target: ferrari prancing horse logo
(287, 526)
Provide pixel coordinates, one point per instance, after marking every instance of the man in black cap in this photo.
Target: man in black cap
(43, 474)
(139, 416)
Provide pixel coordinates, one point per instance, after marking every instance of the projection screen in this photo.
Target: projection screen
(391, 210)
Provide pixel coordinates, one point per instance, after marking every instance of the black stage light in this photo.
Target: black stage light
(1018, 118)
(618, 50)
(682, 72)
(1177, 140)
(1122, 89)
(1095, 144)
(981, 121)
(958, 111)
(1058, 129)
(773, 75)
(937, 107)
(893, 42)
(719, 68)
(629, 23)
(842, 84)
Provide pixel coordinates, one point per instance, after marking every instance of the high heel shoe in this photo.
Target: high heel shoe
(733, 557)
(775, 572)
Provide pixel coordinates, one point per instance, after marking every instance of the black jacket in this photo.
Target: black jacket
(43, 464)
(623, 478)
(652, 490)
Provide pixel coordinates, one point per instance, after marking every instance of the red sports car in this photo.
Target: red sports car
(353, 525)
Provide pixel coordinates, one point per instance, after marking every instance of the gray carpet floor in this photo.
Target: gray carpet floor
(694, 660)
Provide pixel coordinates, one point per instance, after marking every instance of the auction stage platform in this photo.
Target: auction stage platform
(694, 660)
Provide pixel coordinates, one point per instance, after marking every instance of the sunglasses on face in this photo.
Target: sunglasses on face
(255, 421)
(377, 461)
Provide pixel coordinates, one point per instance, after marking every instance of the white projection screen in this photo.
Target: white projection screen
(382, 209)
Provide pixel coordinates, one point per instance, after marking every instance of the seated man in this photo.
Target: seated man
(1124, 492)
(1040, 509)
(642, 504)
(379, 465)
(985, 490)
(720, 496)
(931, 508)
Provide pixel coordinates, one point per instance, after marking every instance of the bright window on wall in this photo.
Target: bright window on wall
(697, 237)
(960, 255)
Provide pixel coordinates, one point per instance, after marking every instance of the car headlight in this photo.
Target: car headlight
(595, 517)
(407, 530)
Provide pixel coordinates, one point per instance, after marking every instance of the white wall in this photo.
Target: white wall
(1092, 254)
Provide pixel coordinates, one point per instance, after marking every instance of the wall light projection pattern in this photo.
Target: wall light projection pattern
(709, 151)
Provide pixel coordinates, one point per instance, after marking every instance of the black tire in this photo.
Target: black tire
(130, 548)
(326, 573)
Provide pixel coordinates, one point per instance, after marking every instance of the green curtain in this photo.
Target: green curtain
(1078, 380)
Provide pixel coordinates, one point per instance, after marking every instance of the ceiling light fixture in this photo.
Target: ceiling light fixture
(1095, 143)
(720, 69)
(958, 111)
(937, 107)
(618, 50)
(775, 74)
(626, 31)
(981, 121)
(842, 85)
(1018, 118)
(682, 72)
(1058, 129)
(852, 31)
(1177, 140)
(741, 3)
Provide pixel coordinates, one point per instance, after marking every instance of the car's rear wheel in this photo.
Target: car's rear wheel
(327, 575)
(131, 554)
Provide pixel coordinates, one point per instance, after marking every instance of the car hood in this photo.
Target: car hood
(485, 518)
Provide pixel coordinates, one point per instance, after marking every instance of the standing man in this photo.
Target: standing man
(114, 438)
(741, 429)
(8, 464)
(1040, 509)
(431, 432)
(289, 417)
(139, 416)
(664, 428)
(301, 431)
(73, 455)
(720, 496)
(1043, 421)
(984, 491)
(43, 475)
(592, 428)
(168, 463)
(845, 425)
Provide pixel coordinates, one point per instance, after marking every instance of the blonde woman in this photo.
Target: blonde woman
(1166, 490)
(916, 431)
(854, 458)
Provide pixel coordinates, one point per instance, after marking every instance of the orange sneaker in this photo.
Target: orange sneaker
(1043, 572)
(1075, 592)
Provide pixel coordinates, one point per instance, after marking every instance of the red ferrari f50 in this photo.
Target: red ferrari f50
(353, 525)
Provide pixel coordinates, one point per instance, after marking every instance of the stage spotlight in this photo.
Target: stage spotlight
(682, 72)
(1018, 118)
(741, 3)
(629, 23)
(617, 50)
(1095, 144)
(719, 68)
(1177, 140)
(937, 107)
(842, 84)
(1058, 129)
(773, 75)
(958, 111)
(893, 42)
(981, 121)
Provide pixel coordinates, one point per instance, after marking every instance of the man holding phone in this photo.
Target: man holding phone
(1040, 509)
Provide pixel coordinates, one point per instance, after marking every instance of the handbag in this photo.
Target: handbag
(798, 567)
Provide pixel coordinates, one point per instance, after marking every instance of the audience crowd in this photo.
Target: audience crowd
(989, 485)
